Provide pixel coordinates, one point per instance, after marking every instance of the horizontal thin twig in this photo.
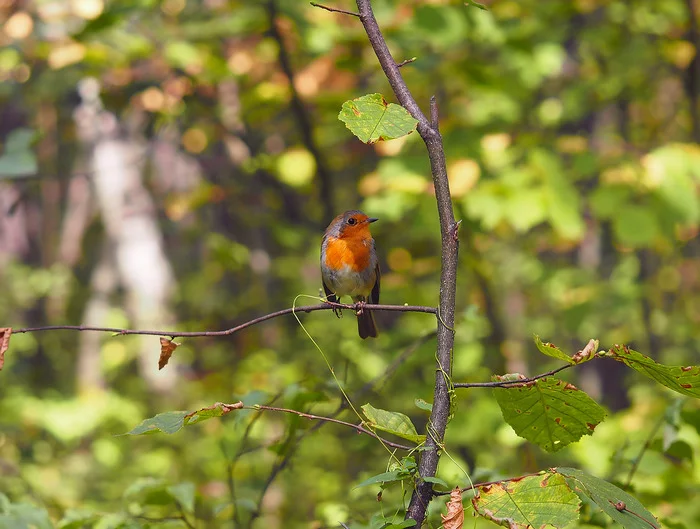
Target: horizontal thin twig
(335, 10)
(195, 334)
(357, 427)
(506, 383)
(406, 61)
(487, 483)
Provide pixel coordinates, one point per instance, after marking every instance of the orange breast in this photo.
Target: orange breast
(353, 253)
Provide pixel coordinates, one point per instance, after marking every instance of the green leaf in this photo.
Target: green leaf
(168, 422)
(423, 405)
(24, 516)
(683, 379)
(680, 450)
(476, 4)
(672, 524)
(172, 421)
(407, 465)
(392, 422)
(385, 477)
(436, 481)
(144, 486)
(606, 200)
(152, 491)
(525, 209)
(670, 172)
(217, 410)
(18, 160)
(692, 418)
(535, 501)
(616, 503)
(635, 225)
(552, 350)
(402, 525)
(372, 119)
(183, 494)
(77, 519)
(182, 54)
(564, 208)
(549, 412)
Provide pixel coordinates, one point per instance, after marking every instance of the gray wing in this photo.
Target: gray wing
(330, 296)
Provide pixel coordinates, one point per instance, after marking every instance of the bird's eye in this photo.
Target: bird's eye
(352, 221)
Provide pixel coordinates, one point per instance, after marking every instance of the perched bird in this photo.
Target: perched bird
(349, 265)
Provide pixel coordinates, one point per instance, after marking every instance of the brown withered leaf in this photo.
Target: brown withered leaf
(5, 334)
(454, 519)
(166, 351)
(587, 352)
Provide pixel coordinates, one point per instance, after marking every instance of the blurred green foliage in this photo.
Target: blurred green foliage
(571, 133)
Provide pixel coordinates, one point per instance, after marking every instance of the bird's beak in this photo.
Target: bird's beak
(372, 219)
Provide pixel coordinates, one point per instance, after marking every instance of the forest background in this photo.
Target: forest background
(173, 165)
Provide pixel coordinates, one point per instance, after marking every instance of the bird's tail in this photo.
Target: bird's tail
(366, 325)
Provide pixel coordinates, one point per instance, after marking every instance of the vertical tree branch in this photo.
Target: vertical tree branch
(429, 132)
(305, 126)
(692, 81)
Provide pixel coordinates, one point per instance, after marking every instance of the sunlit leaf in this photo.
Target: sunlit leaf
(616, 503)
(392, 422)
(476, 4)
(172, 421)
(142, 486)
(372, 119)
(549, 412)
(384, 477)
(671, 172)
(564, 213)
(423, 405)
(166, 422)
(22, 515)
(153, 491)
(183, 493)
(635, 225)
(435, 481)
(607, 200)
(534, 501)
(216, 410)
(552, 350)
(683, 379)
(525, 209)
(78, 519)
(182, 54)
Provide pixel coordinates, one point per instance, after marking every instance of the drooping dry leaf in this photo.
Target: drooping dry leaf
(5, 334)
(166, 351)
(455, 511)
(587, 352)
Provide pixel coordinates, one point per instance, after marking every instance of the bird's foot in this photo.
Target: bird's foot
(360, 307)
(336, 310)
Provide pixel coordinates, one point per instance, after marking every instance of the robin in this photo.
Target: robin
(349, 265)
